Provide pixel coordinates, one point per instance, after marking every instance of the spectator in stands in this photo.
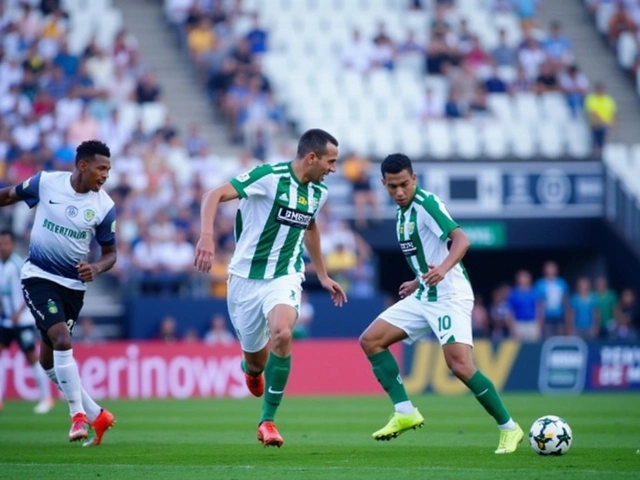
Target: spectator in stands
(558, 47)
(358, 55)
(476, 56)
(601, 109)
(526, 10)
(148, 90)
(85, 331)
(584, 316)
(306, 312)
(607, 305)
(201, 41)
(575, 86)
(431, 106)
(218, 333)
(552, 293)
(463, 80)
(522, 83)
(523, 303)
(619, 22)
(357, 170)
(409, 53)
(167, 332)
(257, 36)
(503, 53)
(547, 79)
(628, 319)
(479, 108)
(218, 275)
(530, 57)
(438, 54)
(383, 49)
(480, 321)
(362, 279)
(501, 316)
(453, 108)
(494, 83)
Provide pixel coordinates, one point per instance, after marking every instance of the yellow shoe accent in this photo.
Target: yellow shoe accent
(509, 440)
(399, 423)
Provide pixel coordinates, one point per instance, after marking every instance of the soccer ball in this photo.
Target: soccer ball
(550, 435)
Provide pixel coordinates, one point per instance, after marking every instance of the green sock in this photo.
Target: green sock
(245, 369)
(276, 374)
(487, 395)
(386, 370)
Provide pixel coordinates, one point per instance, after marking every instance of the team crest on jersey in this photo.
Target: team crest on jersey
(89, 215)
(71, 211)
(412, 227)
(52, 307)
(302, 200)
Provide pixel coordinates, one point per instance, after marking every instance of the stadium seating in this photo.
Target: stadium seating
(307, 67)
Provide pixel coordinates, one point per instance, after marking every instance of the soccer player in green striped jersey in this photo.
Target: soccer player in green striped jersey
(439, 298)
(276, 219)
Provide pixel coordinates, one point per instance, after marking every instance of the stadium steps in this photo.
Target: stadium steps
(597, 62)
(160, 52)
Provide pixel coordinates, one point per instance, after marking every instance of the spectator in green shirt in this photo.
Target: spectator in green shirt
(607, 304)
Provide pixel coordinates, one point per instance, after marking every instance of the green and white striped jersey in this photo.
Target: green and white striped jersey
(274, 212)
(423, 229)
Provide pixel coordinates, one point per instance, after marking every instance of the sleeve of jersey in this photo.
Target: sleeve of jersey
(438, 218)
(29, 190)
(253, 182)
(106, 231)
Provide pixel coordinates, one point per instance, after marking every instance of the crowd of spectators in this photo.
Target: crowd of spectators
(530, 311)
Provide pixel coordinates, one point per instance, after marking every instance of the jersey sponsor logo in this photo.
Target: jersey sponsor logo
(408, 248)
(293, 218)
(243, 177)
(67, 232)
(71, 211)
(89, 215)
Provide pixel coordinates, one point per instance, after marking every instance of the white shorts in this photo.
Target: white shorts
(449, 319)
(249, 301)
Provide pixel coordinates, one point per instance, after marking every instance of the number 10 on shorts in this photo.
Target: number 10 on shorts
(444, 323)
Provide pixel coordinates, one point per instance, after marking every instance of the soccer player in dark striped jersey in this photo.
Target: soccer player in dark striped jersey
(439, 299)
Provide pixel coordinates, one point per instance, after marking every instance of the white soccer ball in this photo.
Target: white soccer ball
(550, 435)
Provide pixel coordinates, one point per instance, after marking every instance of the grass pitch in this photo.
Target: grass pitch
(325, 438)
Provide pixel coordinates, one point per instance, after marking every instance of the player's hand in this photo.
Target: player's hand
(87, 271)
(407, 288)
(335, 290)
(205, 251)
(434, 276)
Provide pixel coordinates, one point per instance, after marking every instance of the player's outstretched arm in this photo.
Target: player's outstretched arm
(8, 196)
(89, 271)
(312, 242)
(205, 249)
(459, 245)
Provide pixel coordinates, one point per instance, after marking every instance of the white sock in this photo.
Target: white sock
(510, 425)
(41, 381)
(404, 408)
(89, 404)
(68, 379)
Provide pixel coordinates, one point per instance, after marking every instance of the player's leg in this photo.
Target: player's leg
(6, 336)
(402, 321)
(46, 300)
(27, 340)
(244, 303)
(452, 322)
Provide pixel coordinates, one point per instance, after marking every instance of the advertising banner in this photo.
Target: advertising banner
(183, 370)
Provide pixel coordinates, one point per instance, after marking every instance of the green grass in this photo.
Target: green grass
(325, 438)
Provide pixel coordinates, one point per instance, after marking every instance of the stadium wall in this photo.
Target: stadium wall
(560, 365)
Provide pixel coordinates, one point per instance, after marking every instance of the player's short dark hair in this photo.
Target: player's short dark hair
(89, 149)
(315, 140)
(8, 233)
(395, 163)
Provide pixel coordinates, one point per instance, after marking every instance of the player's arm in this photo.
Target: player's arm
(106, 237)
(313, 245)
(205, 247)
(28, 191)
(8, 196)
(459, 245)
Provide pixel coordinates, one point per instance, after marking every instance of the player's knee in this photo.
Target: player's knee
(461, 368)
(368, 343)
(281, 336)
(59, 336)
